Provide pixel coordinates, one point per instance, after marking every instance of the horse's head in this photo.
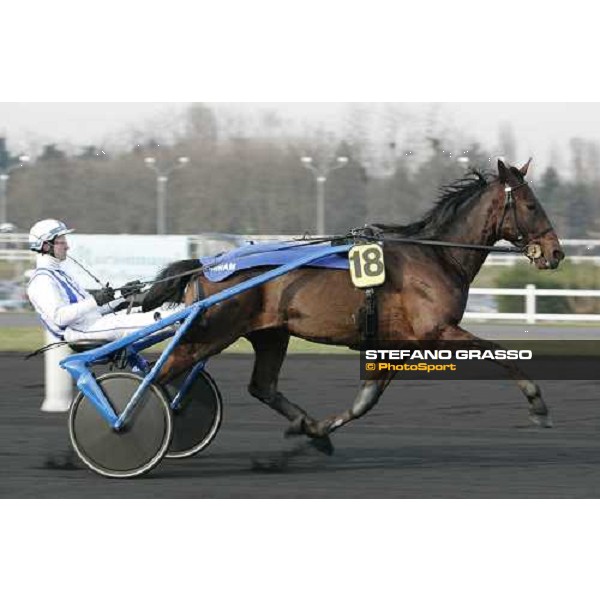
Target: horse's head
(523, 221)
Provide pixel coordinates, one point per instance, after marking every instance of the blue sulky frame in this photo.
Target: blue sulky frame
(78, 364)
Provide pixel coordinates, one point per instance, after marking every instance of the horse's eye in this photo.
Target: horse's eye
(530, 206)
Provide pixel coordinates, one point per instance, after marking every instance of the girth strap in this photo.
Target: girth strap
(369, 316)
(199, 296)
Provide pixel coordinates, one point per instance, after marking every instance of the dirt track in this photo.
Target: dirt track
(424, 439)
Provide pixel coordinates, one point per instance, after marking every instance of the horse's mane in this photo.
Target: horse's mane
(451, 198)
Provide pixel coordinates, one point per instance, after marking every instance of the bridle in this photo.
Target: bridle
(531, 250)
(521, 246)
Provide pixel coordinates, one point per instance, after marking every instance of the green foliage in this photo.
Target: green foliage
(21, 339)
(567, 276)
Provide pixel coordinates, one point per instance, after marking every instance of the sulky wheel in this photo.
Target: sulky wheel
(197, 419)
(132, 451)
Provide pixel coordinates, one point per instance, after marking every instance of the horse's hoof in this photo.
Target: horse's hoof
(322, 444)
(544, 421)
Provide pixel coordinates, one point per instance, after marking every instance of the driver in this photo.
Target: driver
(66, 309)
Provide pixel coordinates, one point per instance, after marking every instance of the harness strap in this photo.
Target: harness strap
(199, 290)
(200, 295)
(369, 317)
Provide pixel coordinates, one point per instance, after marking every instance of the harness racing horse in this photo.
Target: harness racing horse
(423, 298)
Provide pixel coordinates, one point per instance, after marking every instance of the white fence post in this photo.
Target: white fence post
(531, 315)
(58, 383)
(530, 303)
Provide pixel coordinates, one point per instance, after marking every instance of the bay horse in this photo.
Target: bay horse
(423, 297)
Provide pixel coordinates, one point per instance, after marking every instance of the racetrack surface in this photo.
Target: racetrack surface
(467, 439)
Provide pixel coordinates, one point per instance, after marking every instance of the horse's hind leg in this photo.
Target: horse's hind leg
(368, 395)
(270, 347)
(538, 411)
(187, 354)
(200, 344)
(211, 333)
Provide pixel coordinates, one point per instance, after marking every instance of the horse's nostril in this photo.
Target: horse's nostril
(558, 255)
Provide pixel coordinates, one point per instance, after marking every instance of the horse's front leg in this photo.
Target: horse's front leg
(538, 411)
(270, 347)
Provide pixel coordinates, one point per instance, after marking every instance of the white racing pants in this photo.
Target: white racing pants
(114, 326)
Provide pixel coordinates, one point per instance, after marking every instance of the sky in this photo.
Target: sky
(539, 128)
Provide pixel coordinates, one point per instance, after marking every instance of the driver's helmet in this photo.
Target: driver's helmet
(46, 231)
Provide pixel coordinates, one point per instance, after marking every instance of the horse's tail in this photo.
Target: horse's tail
(173, 289)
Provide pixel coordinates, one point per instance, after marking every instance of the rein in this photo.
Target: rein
(358, 233)
(367, 233)
(499, 249)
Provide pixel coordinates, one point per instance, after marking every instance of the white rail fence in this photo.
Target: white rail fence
(530, 316)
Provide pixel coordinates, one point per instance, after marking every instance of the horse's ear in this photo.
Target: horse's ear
(524, 168)
(502, 171)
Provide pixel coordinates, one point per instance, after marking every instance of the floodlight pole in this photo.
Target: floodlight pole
(162, 177)
(321, 173)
